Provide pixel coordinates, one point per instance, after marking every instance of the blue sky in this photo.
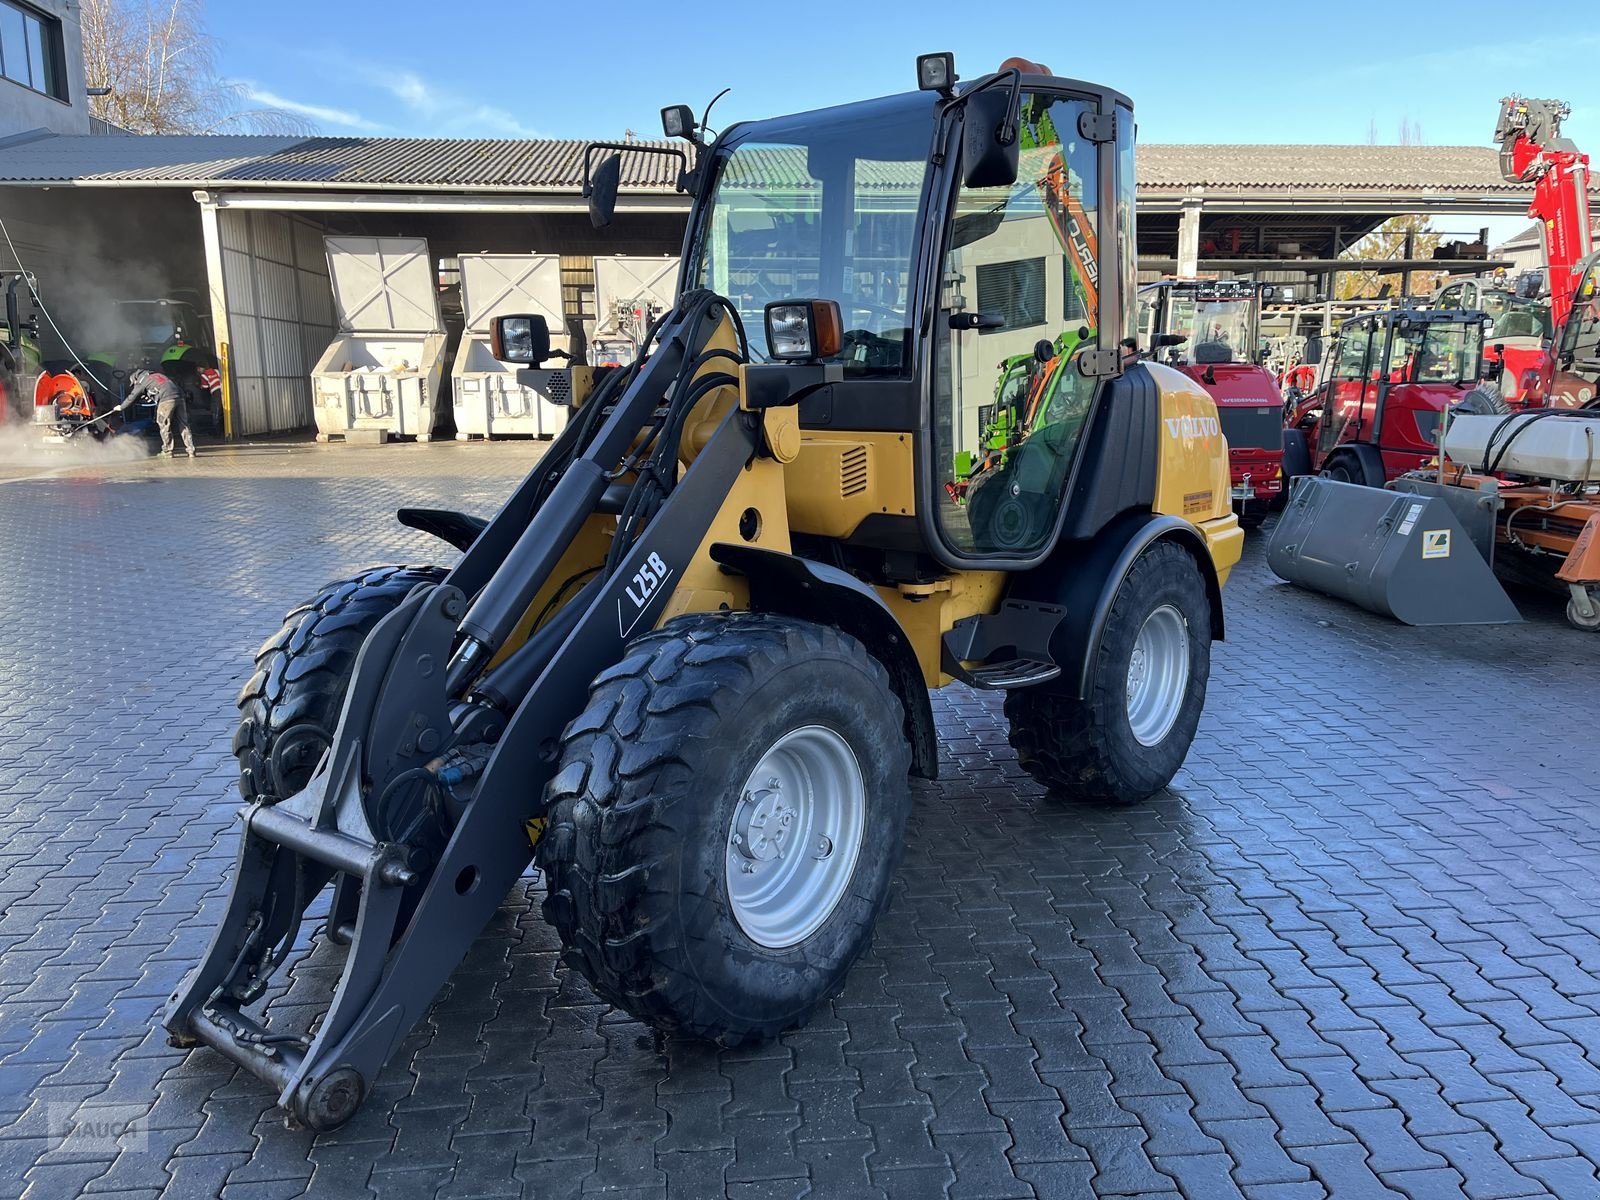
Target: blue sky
(1218, 72)
(1215, 72)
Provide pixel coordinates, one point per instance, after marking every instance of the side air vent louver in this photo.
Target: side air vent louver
(853, 471)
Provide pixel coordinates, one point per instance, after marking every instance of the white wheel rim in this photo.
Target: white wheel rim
(795, 836)
(1158, 675)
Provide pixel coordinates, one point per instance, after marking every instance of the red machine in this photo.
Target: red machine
(1517, 348)
(1532, 150)
(1216, 323)
(1392, 374)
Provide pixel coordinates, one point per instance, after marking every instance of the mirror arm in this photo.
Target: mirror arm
(1007, 133)
(632, 148)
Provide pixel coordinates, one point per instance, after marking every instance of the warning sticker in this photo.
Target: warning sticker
(1197, 502)
(1410, 520)
(1435, 543)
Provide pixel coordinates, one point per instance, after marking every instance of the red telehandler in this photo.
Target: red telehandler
(1532, 150)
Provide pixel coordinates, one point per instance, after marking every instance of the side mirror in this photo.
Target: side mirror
(601, 190)
(1162, 340)
(1044, 350)
(520, 339)
(986, 160)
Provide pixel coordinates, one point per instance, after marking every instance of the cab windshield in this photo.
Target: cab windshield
(823, 205)
(1218, 331)
(1437, 352)
(147, 322)
(1516, 317)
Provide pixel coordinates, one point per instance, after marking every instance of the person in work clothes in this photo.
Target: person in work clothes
(153, 386)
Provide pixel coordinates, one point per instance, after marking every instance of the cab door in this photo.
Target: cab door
(1347, 387)
(1021, 272)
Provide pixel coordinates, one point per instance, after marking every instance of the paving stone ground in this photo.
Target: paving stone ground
(1353, 952)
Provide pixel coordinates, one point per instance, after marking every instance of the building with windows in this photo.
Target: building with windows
(41, 68)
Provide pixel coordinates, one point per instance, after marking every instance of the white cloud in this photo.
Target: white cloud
(313, 112)
(410, 90)
(445, 112)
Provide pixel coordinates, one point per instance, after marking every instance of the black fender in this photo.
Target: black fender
(1296, 454)
(1371, 462)
(1085, 576)
(457, 528)
(798, 587)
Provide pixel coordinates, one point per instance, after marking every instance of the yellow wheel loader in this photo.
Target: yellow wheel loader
(686, 668)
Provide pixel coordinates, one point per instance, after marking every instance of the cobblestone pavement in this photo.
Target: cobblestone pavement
(1354, 952)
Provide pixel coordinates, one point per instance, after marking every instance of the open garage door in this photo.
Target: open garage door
(280, 316)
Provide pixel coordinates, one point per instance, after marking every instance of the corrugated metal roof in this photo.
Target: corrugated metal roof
(1427, 168)
(557, 165)
(354, 162)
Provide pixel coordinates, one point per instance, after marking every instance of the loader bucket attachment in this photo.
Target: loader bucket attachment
(1395, 554)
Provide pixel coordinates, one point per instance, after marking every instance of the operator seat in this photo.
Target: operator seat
(1206, 353)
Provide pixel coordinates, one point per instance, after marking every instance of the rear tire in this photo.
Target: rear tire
(290, 706)
(1122, 744)
(657, 902)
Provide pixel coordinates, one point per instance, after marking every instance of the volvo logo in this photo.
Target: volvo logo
(1193, 427)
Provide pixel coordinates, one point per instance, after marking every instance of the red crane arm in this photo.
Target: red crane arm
(1532, 150)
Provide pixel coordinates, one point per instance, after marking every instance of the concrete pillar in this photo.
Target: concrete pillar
(1189, 236)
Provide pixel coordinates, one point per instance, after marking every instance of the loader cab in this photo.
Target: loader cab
(1516, 349)
(946, 285)
(1393, 373)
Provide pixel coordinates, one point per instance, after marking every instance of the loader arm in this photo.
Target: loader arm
(408, 921)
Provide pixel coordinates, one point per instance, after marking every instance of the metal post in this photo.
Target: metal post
(217, 295)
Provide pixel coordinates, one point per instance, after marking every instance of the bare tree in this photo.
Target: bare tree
(160, 64)
(1390, 241)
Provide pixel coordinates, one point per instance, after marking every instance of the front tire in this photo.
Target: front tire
(1484, 400)
(290, 706)
(727, 757)
(1126, 740)
(1344, 468)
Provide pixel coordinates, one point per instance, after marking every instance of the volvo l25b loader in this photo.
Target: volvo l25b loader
(687, 666)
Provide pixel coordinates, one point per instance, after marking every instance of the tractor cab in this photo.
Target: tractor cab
(1517, 345)
(1210, 330)
(1392, 375)
(171, 335)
